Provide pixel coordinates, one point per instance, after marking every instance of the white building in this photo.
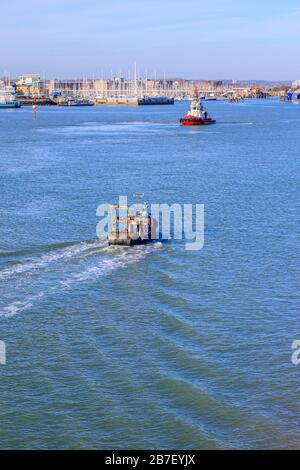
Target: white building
(296, 84)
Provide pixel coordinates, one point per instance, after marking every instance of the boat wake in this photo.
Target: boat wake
(239, 123)
(19, 305)
(121, 257)
(92, 128)
(91, 260)
(32, 265)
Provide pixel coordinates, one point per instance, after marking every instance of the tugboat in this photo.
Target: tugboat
(132, 230)
(197, 115)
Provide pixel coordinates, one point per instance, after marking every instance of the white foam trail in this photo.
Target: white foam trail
(118, 127)
(19, 305)
(124, 257)
(238, 123)
(121, 260)
(42, 262)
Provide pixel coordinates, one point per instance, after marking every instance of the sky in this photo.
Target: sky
(194, 39)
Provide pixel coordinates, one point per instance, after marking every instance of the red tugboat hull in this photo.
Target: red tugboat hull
(189, 121)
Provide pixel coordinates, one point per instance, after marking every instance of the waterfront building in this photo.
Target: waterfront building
(295, 84)
(29, 85)
(119, 87)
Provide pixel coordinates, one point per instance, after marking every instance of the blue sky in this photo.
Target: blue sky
(190, 39)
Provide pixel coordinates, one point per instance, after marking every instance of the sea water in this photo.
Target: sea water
(151, 346)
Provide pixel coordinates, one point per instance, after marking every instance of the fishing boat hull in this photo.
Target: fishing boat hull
(188, 121)
(125, 240)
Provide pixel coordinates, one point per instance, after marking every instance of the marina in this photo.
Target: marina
(119, 91)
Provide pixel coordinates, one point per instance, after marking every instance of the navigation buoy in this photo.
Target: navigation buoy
(34, 107)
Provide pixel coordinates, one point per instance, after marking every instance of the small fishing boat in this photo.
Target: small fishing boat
(134, 229)
(197, 115)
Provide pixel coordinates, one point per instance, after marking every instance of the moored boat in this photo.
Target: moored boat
(148, 100)
(235, 99)
(75, 102)
(8, 97)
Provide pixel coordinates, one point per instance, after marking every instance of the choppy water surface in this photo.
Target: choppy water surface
(153, 346)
